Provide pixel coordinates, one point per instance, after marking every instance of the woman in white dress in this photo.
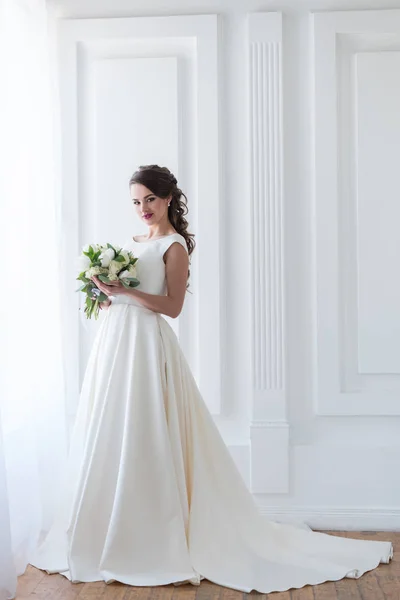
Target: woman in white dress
(152, 495)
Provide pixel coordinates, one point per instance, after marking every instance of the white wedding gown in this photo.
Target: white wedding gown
(151, 493)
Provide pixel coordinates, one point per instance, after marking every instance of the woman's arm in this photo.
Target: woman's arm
(176, 270)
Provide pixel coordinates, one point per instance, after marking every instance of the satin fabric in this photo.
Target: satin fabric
(152, 495)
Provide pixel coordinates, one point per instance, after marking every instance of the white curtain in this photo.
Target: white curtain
(33, 435)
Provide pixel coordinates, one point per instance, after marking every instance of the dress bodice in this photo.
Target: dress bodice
(150, 268)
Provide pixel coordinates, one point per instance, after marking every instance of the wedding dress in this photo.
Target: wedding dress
(151, 495)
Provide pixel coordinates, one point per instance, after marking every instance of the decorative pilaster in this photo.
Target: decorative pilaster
(269, 428)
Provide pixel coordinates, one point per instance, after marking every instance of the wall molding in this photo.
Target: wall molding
(341, 387)
(193, 41)
(360, 518)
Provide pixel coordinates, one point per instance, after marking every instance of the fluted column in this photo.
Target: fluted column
(269, 428)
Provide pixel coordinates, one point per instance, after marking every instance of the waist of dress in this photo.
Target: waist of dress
(129, 300)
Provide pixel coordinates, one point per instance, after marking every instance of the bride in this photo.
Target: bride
(151, 495)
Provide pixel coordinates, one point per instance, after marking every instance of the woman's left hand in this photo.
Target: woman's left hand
(114, 288)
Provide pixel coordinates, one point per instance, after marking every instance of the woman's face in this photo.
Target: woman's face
(150, 208)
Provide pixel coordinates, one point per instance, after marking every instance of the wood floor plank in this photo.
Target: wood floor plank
(305, 593)
(68, 593)
(325, 591)
(28, 582)
(138, 592)
(209, 591)
(346, 589)
(369, 587)
(166, 592)
(52, 586)
(390, 586)
(279, 595)
(229, 594)
(114, 591)
(92, 590)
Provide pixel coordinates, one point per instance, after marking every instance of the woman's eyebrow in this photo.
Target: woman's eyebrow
(148, 196)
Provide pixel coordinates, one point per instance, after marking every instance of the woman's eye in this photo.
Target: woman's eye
(148, 200)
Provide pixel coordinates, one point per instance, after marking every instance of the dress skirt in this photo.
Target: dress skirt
(151, 494)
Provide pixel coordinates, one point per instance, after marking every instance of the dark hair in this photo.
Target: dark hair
(162, 183)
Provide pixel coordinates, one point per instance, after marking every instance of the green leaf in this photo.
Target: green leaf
(119, 258)
(103, 278)
(112, 248)
(96, 309)
(102, 297)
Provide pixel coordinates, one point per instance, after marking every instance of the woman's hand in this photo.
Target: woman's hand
(114, 288)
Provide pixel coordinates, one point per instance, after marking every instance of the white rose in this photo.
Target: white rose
(114, 266)
(83, 263)
(106, 257)
(93, 271)
(132, 270)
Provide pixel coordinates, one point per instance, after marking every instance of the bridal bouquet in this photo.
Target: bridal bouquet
(109, 263)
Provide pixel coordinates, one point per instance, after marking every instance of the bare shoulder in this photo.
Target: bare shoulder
(176, 248)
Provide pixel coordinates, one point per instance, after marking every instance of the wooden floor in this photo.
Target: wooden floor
(382, 583)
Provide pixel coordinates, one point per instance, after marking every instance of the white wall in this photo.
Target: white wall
(315, 426)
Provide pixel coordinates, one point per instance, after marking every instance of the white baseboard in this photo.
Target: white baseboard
(337, 518)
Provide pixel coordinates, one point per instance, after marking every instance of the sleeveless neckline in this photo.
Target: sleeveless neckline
(157, 239)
